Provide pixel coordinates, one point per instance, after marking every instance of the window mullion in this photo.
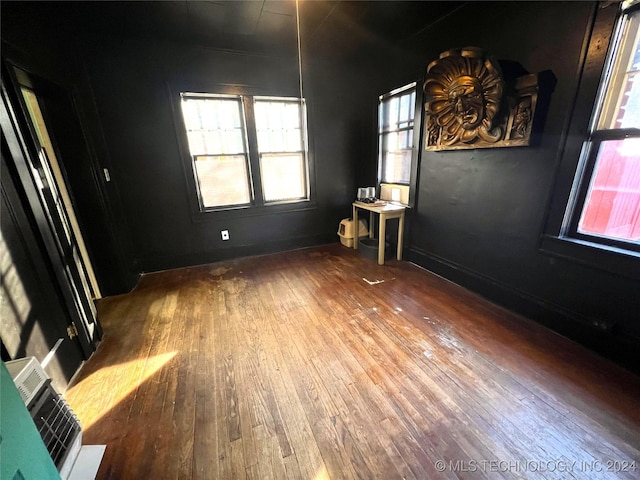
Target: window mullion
(401, 129)
(253, 153)
(615, 134)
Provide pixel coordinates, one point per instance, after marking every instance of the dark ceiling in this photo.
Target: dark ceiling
(251, 25)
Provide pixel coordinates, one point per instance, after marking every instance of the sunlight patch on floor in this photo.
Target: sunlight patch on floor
(125, 379)
(322, 474)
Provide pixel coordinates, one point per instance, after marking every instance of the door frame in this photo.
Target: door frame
(43, 132)
(37, 317)
(24, 152)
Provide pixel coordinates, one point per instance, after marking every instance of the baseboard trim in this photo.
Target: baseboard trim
(596, 334)
(166, 262)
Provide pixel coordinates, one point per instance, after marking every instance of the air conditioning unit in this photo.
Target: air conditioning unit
(58, 426)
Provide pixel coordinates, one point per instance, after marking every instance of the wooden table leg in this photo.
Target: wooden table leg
(356, 228)
(400, 235)
(371, 221)
(381, 240)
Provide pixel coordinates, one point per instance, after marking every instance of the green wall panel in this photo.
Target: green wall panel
(22, 452)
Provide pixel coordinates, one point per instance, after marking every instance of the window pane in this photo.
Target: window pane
(621, 108)
(396, 167)
(208, 114)
(402, 140)
(397, 111)
(197, 142)
(222, 180)
(214, 125)
(393, 111)
(612, 208)
(407, 103)
(395, 126)
(191, 115)
(293, 140)
(278, 126)
(397, 152)
(283, 176)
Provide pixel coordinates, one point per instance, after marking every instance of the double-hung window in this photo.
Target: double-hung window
(217, 139)
(396, 113)
(604, 207)
(281, 147)
(246, 151)
(594, 210)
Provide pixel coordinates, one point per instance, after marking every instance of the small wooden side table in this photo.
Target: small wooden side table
(385, 211)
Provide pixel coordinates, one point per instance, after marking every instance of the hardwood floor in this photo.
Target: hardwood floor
(318, 364)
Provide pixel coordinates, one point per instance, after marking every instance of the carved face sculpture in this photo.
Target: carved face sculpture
(466, 97)
(463, 90)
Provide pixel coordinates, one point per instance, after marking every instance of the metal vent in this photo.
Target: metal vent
(29, 377)
(57, 424)
(31, 384)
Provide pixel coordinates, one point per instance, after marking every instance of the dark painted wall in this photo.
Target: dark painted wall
(136, 83)
(480, 213)
(39, 38)
(126, 85)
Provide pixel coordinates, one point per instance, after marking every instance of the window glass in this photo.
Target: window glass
(612, 207)
(278, 125)
(281, 146)
(621, 107)
(396, 112)
(214, 125)
(606, 206)
(216, 129)
(283, 176)
(407, 103)
(216, 136)
(222, 180)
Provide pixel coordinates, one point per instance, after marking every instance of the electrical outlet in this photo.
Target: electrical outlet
(225, 234)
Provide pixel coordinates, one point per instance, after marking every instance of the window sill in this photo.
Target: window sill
(611, 259)
(224, 213)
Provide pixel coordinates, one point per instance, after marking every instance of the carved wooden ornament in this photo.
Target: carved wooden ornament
(469, 104)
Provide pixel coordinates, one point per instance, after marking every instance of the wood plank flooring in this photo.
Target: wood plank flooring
(320, 364)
